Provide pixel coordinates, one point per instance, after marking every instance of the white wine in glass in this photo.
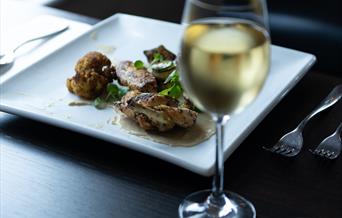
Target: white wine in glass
(224, 61)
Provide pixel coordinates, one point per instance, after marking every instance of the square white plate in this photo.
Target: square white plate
(39, 92)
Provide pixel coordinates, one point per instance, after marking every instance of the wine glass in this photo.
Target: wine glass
(224, 61)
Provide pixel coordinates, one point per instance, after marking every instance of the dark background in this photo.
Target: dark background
(308, 25)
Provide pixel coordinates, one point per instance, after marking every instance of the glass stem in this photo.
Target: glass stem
(219, 162)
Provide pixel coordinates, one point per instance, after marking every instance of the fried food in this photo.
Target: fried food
(167, 55)
(152, 111)
(93, 72)
(96, 62)
(136, 79)
(87, 85)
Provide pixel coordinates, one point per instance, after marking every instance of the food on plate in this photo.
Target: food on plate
(93, 72)
(153, 111)
(87, 85)
(148, 93)
(160, 63)
(98, 62)
(160, 50)
(136, 78)
(114, 92)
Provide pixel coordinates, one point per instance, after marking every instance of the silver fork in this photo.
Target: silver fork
(331, 146)
(291, 143)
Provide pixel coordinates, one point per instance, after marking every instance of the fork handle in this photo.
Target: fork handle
(44, 35)
(333, 97)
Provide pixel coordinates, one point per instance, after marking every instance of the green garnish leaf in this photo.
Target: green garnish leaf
(139, 64)
(114, 92)
(165, 91)
(112, 89)
(157, 58)
(122, 89)
(100, 103)
(175, 89)
(172, 76)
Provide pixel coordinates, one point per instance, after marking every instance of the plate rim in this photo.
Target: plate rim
(160, 155)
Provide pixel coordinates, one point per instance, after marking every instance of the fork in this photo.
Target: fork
(9, 57)
(291, 143)
(330, 147)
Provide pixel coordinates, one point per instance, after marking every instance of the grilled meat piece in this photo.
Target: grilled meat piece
(184, 102)
(129, 95)
(152, 111)
(93, 72)
(183, 117)
(136, 79)
(153, 99)
(123, 104)
(148, 118)
(167, 55)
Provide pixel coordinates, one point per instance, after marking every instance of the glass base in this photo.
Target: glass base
(202, 204)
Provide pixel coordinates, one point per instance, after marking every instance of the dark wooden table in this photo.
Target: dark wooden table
(51, 172)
